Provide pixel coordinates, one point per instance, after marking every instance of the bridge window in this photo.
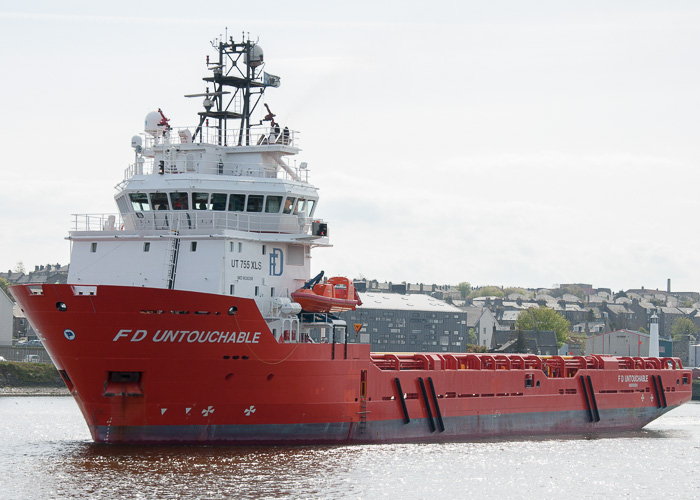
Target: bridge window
(179, 201)
(301, 207)
(139, 201)
(218, 201)
(255, 203)
(159, 201)
(200, 201)
(288, 205)
(236, 203)
(273, 204)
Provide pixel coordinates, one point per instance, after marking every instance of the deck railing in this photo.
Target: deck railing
(195, 220)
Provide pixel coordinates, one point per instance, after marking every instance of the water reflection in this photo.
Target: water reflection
(46, 447)
(210, 472)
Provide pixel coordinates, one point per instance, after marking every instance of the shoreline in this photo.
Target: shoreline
(33, 391)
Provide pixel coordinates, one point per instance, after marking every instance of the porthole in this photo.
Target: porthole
(61, 306)
(232, 310)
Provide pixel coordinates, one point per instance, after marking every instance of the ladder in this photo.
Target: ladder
(362, 426)
(172, 265)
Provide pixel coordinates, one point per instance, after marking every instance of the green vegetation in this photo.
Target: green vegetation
(542, 320)
(4, 284)
(14, 374)
(514, 289)
(464, 289)
(471, 336)
(487, 291)
(477, 348)
(683, 326)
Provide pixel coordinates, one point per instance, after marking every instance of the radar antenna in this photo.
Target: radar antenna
(240, 67)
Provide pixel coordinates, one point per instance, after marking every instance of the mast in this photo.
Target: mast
(240, 68)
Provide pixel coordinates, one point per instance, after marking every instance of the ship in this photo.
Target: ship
(178, 322)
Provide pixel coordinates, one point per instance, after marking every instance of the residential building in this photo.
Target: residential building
(408, 323)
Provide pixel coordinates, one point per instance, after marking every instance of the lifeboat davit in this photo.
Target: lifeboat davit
(336, 295)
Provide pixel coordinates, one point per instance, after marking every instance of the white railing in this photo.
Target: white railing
(194, 220)
(210, 135)
(227, 168)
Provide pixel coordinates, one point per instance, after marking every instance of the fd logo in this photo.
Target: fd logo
(276, 262)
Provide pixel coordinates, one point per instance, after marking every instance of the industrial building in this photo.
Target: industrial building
(625, 343)
(394, 322)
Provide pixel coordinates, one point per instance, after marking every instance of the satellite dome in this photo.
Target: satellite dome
(152, 123)
(256, 56)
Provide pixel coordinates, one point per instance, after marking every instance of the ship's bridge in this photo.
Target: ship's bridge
(178, 185)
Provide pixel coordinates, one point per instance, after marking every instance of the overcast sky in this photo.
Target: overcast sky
(515, 143)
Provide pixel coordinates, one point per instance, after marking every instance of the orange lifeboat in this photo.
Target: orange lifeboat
(335, 295)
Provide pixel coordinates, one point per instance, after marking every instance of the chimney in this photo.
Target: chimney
(668, 285)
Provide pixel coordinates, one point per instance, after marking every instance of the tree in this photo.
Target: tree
(487, 291)
(19, 267)
(4, 284)
(514, 289)
(683, 326)
(543, 319)
(464, 289)
(471, 337)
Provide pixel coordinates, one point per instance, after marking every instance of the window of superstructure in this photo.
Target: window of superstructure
(310, 207)
(193, 246)
(231, 246)
(93, 247)
(218, 201)
(232, 288)
(139, 202)
(300, 207)
(200, 201)
(288, 205)
(159, 201)
(255, 203)
(264, 248)
(236, 203)
(273, 204)
(147, 246)
(240, 247)
(179, 201)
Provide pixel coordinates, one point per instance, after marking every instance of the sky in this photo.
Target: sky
(513, 143)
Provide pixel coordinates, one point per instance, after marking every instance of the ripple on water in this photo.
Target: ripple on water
(47, 447)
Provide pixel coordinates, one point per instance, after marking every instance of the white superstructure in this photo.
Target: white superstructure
(208, 208)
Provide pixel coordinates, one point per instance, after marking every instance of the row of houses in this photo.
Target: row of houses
(415, 317)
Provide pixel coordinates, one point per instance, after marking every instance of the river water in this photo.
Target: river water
(46, 452)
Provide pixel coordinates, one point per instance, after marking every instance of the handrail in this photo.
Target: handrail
(178, 220)
(554, 366)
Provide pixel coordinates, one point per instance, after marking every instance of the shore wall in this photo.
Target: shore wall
(14, 374)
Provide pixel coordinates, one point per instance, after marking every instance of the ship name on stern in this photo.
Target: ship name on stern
(191, 336)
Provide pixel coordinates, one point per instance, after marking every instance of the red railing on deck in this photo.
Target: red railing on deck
(553, 366)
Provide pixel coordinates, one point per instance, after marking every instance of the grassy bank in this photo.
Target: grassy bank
(14, 374)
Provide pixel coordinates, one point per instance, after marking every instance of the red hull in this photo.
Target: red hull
(153, 365)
